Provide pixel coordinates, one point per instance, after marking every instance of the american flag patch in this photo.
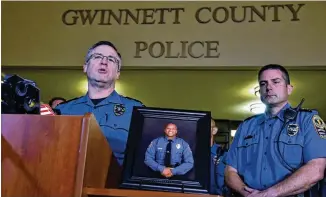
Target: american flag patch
(46, 110)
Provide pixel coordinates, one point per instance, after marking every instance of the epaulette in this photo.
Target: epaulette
(307, 110)
(133, 99)
(254, 116)
(69, 100)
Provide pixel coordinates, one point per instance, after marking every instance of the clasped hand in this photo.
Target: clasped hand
(256, 193)
(167, 172)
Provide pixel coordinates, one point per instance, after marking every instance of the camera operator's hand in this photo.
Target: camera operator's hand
(167, 172)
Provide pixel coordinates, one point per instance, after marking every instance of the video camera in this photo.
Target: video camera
(19, 96)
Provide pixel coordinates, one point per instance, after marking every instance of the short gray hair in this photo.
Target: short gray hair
(107, 43)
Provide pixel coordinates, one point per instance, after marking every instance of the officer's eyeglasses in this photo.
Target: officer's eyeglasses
(100, 57)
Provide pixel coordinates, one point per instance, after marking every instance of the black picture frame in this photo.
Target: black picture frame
(148, 123)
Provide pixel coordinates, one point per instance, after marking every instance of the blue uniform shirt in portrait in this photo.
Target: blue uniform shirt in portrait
(217, 171)
(113, 114)
(254, 150)
(181, 155)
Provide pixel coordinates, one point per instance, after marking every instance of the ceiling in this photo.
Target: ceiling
(227, 93)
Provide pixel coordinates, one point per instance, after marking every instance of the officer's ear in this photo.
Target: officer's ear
(289, 89)
(85, 67)
(118, 74)
(118, 70)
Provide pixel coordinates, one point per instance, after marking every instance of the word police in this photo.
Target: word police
(182, 49)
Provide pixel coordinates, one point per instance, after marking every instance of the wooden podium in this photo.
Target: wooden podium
(60, 156)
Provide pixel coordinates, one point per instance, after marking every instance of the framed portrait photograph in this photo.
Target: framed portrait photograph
(168, 150)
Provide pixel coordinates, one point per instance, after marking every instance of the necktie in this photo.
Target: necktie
(167, 158)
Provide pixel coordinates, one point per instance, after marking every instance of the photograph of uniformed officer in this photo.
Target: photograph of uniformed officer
(169, 155)
(112, 111)
(277, 153)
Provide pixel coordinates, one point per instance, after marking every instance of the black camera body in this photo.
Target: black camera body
(19, 96)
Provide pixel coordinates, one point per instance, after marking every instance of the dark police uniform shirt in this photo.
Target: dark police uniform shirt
(180, 154)
(254, 151)
(113, 114)
(217, 171)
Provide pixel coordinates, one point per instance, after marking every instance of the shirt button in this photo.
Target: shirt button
(264, 168)
(265, 153)
(264, 185)
(266, 138)
(289, 141)
(115, 125)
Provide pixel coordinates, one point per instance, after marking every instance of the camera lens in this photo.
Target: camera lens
(21, 89)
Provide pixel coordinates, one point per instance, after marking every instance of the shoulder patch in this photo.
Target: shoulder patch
(133, 99)
(251, 117)
(319, 125)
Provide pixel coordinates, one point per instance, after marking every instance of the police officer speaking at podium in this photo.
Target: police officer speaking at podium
(169, 156)
(112, 111)
(281, 152)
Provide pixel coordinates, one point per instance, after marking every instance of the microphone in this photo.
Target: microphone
(291, 113)
(45, 109)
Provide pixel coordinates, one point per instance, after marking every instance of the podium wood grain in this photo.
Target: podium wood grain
(52, 155)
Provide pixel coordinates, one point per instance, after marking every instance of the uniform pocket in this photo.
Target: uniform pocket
(177, 156)
(116, 137)
(248, 150)
(117, 124)
(291, 148)
(114, 122)
(160, 154)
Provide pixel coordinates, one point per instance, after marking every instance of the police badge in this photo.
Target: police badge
(119, 109)
(293, 129)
